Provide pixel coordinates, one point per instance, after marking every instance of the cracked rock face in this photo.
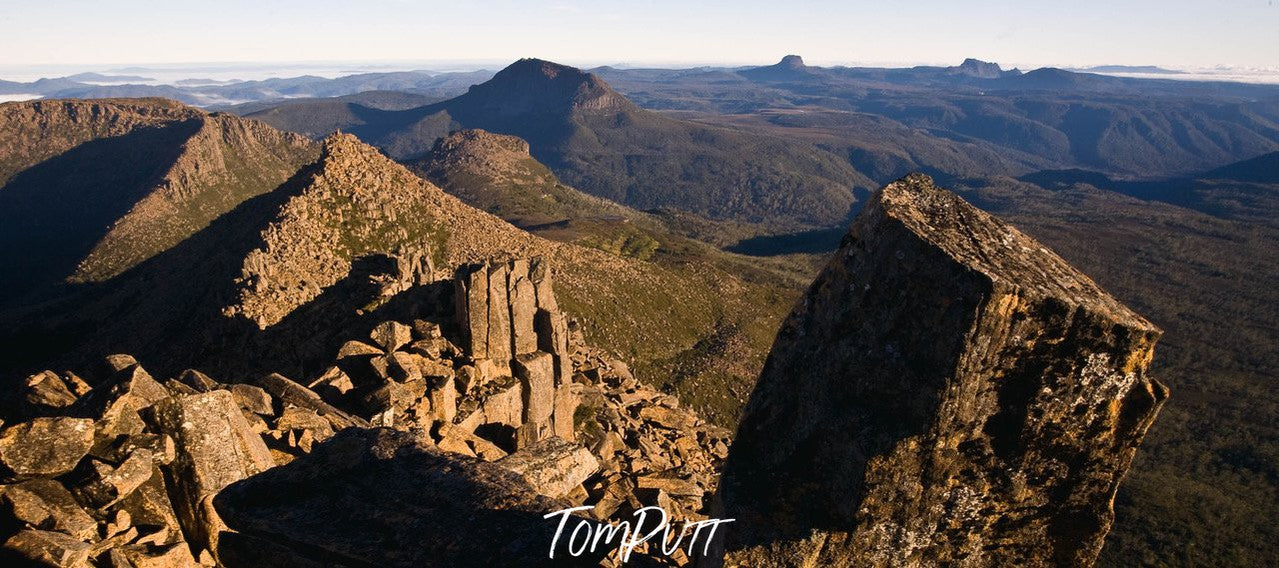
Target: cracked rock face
(948, 392)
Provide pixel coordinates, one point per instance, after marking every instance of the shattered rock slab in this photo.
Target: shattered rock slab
(214, 448)
(380, 497)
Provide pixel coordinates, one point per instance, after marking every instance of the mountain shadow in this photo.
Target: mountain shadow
(52, 214)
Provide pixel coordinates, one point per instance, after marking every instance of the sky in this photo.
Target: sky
(1171, 33)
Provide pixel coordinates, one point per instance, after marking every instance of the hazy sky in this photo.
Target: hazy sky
(1176, 33)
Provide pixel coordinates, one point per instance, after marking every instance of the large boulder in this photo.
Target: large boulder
(536, 372)
(47, 548)
(45, 446)
(151, 511)
(382, 497)
(948, 392)
(46, 393)
(290, 392)
(215, 448)
(553, 467)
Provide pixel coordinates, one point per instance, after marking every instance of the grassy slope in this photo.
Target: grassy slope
(731, 306)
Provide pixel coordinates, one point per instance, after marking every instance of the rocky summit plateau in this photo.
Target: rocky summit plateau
(409, 444)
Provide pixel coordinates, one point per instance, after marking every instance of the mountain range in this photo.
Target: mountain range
(780, 160)
(226, 93)
(684, 211)
(598, 141)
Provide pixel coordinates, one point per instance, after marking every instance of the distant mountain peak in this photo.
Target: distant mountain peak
(790, 68)
(548, 69)
(540, 85)
(978, 68)
(792, 62)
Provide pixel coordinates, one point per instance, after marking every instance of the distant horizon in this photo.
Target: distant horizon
(665, 33)
(267, 69)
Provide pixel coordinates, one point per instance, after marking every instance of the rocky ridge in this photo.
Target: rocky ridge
(225, 162)
(496, 173)
(288, 255)
(38, 130)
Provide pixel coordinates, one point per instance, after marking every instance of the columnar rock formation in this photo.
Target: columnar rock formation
(948, 393)
(512, 326)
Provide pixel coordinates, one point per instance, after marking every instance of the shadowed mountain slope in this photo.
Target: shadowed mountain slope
(92, 188)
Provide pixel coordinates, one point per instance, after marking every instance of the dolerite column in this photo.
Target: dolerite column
(523, 300)
(947, 393)
(499, 325)
(471, 295)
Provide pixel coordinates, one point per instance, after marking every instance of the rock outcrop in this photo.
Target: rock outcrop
(948, 393)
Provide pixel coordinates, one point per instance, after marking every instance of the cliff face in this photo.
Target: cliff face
(34, 131)
(948, 392)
